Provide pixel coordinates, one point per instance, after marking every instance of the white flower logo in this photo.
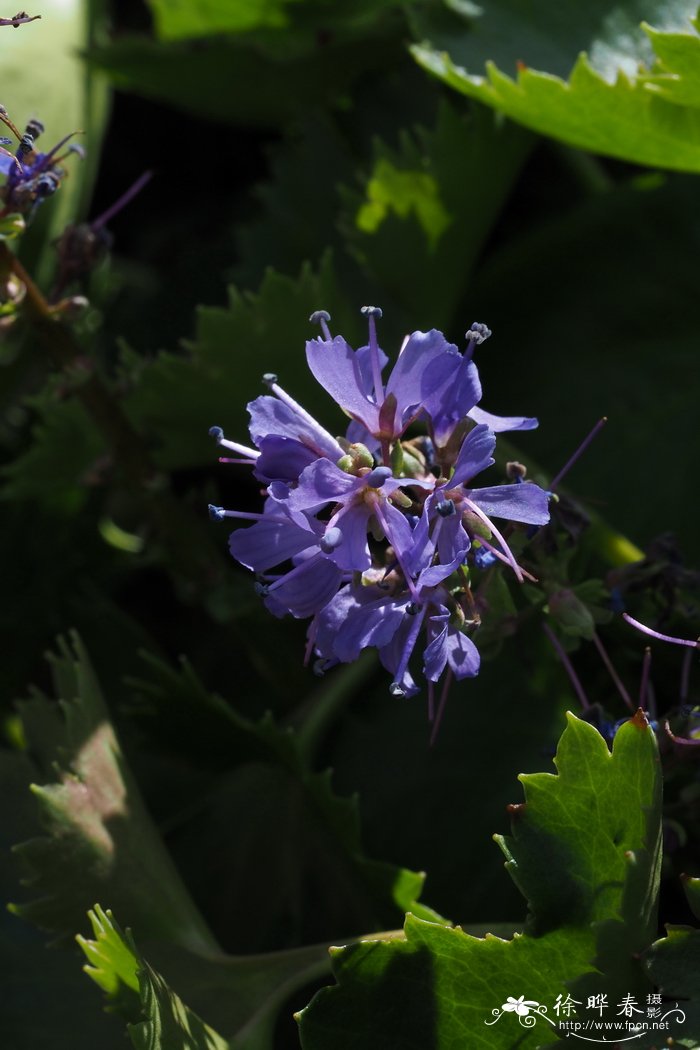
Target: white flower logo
(520, 1006)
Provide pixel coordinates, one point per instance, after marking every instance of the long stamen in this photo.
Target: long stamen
(396, 689)
(122, 201)
(243, 450)
(579, 452)
(495, 551)
(322, 317)
(568, 666)
(270, 381)
(372, 312)
(441, 706)
(613, 673)
(52, 152)
(657, 634)
(218, 514)
(243, 462)
(506, 549)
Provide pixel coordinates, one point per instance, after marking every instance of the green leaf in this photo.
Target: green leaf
(585, 851)
(673, 964)
(116, 965)
(100, 838)
(290, 82)
(610, 103)
(425, 208)
(234, 346)
(266, 798)
(176, 19)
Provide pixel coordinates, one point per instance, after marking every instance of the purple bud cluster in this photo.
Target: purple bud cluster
(374, 534)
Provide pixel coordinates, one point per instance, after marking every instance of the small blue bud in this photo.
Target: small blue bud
(216, 432)
(216, 513)
(371, 311)
(412, 608)
(333, 538)
(484, 559)
(269, 378)
(445, 508)
(319, 315)
(261, 589)
(396, 689)
(378, 476)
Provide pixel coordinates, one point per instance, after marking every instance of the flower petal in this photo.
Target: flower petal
(321, 483)
(308, 587)
(352, 553)
(501, 423)
(270, 416)
(282, 458)
(524, 502)
(336, 368)
(269, 543)
(475, 455)
(455, 390)
(462, 655)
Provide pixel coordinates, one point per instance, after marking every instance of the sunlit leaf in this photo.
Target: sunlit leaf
(592, 886)
(586, 80)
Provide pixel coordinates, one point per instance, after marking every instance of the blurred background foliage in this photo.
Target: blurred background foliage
(302, 159)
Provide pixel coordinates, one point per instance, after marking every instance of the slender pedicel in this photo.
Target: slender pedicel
(506, 549)
(657, 634)
(613, 673)
(322, 317)
(441, 707)
(270, 381)
(372, 312)
(579, 452)
(431, 701)
(568, 666)
(243, 450)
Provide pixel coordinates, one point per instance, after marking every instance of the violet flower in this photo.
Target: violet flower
(373, 534)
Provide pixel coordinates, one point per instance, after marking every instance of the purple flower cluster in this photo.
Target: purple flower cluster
(374, 534)
(32, 176)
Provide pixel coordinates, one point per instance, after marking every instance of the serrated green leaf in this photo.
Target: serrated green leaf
(100, 838)
(611, 102)
(116, 965)
(234, 346)
(426, 209)
(585, 850)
